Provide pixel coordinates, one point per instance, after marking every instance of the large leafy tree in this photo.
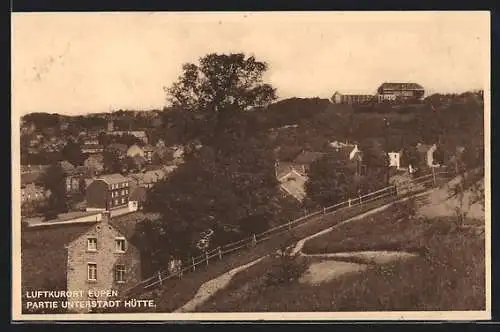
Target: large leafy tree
(376, 161)
(54, 180)
(73, 153)
(219, 84)
(228, 179)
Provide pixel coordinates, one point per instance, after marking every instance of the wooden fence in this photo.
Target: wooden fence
(355, 206)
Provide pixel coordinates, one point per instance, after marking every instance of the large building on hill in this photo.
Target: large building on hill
(386, 92)
(339, 98)
(400, 92)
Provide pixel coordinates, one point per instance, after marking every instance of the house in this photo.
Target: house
(94, 165)
(141, 135)
(32, 192)
(108, 192)
(135, 150)
(74, 180)
(92, 148)
(138, 196)
(303, 161)
(400, 92)
(119, 149)
(148, 152)
(395, 158)
(293, 184)
(426, 152)
(66, 166)
(148, 178)
(339, 98)
(82, 258)
(349, 153)
(33, 168)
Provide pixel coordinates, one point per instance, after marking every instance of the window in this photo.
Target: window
(123, 200)
(120, 273)
(116, 202)
(126, 184)
(123, 192)
(92, 272)
(92, 244)
(120, 244)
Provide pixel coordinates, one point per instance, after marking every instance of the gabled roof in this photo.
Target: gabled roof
(67, 166)
(307, 157)
(149, 176)
(112, 178)
(294, 184)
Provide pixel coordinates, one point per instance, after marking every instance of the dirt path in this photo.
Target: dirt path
(369, 257)
(210, 287)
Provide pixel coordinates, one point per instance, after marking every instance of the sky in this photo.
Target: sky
(78, 63)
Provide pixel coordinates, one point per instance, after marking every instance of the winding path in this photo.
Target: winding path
(209, 288)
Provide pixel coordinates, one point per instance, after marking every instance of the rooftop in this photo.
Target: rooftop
(113, 178)
(401, 86)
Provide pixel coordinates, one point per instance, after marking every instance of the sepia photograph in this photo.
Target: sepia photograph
(209, 166)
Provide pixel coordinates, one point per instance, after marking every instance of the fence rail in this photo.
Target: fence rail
(384, 195)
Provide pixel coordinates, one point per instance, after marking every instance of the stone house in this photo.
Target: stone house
(81, 258)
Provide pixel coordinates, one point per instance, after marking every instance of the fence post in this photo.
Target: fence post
(254, 240)
(289, 225)
(220, 253)
(349, 202)
(206, 256)
(194, 266)
(324, 211)
(433, 176)
(159, 279)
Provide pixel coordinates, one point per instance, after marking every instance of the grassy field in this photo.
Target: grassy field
(447, 274)
(176, 292)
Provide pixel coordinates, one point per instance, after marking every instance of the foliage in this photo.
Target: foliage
(112, 161)
(329, 181)
(219, 84)
(468, 187)
(410, 156)
(287, 268)
(54, 180)
(73, 153)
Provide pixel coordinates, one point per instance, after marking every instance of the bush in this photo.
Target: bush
(287, 267)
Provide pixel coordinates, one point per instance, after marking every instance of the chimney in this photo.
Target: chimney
(106, 216)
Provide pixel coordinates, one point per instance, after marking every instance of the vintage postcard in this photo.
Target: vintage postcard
(251, 166)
